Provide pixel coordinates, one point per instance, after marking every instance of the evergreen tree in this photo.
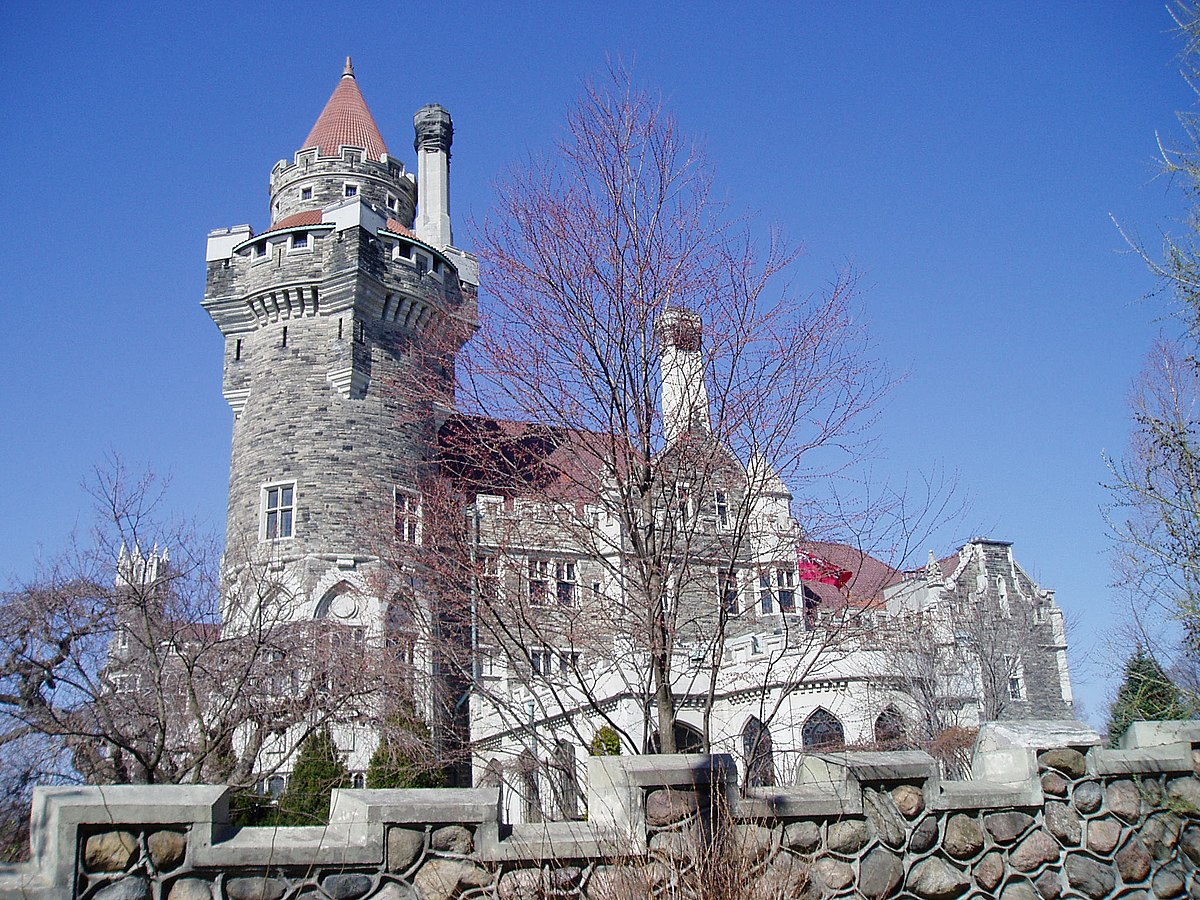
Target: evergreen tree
(1147, 693)
(605, 742)
(404, 757)
(319, 769)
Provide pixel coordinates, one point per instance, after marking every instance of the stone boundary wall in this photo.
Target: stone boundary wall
(1048, 814)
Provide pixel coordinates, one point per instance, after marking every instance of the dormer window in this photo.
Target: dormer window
(300, 241)
(260, 249)
(306, 193)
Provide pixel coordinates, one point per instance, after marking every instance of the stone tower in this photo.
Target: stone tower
(341, 322)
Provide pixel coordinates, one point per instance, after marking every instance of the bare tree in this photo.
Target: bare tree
(130, 656)
(645, 393)
(1154, 514)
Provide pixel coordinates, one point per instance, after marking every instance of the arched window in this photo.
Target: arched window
(527, 768)
(339, 602)
(687, 740)
(756, 751)
(493, 774)
(566, 780)
(822, 731)
(889, 728)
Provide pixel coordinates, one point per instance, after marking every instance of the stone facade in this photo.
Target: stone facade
(1048, 814)
(341, 323)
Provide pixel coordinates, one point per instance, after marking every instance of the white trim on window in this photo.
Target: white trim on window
(277, 511)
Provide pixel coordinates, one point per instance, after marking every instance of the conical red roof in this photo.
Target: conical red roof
(345, 120)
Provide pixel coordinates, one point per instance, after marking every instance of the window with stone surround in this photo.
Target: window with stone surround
(278, 508)
(1016, 677)
(408, 516)
(777, 584)
(721, 502)
(551, 581)
(727, 590)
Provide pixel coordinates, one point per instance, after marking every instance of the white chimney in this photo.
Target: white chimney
(684, 395)
(435, 134)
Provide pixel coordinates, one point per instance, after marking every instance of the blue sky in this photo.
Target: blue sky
(965, 159)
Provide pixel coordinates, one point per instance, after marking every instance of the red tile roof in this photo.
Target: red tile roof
(308, 217)
(520, 459)
(869, 576)
(346, 121)
(395, 227)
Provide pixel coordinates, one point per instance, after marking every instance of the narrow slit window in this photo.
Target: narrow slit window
(283, 343)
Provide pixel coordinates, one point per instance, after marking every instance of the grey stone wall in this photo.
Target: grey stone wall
(345, 304)
(1048, 815)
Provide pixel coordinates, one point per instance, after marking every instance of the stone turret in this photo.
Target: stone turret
(340, 326)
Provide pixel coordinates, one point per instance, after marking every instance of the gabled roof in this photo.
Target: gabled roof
(297, 220)
(868, 576)
(346, 121)
(519, 459)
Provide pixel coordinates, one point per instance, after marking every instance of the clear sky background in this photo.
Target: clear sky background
(965, 158)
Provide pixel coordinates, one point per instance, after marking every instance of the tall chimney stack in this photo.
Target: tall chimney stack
(434, 135)
(684, 394)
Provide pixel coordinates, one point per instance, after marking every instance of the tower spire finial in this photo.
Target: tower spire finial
(349, 70)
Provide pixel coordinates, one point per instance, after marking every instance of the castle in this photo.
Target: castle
(341, 322)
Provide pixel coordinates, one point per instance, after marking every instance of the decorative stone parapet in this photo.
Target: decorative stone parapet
(1048, 814)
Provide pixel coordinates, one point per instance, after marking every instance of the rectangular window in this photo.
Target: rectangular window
(766, 599)
(260, 249)
(564, 576)
(306, 193)
(568, 661)
(300, 240)
(391, 202)
(539, 581)
(683, 503)
(727, 589)
(722, 503)
(351, 190)
(422, 264)
(279, 504)
(408, 517)
(488, 578)
(785, 581)
(1016, 679)
(541, 661)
